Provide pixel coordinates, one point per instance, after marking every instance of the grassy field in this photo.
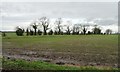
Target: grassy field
(62, 52)
(19, 64)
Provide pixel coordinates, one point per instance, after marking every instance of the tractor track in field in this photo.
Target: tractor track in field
(28, 58)
(47, 57)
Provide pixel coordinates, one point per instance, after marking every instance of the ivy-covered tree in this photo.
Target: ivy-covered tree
(31, 32)
(34, 25)
(27, 32)
(108, 31)
(19, 31)
(96, 30)
(55, 33)
(89, 32)
(39, 32)
(3, 34)
(50, 32)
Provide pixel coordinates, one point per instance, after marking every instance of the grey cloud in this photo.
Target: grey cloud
(74, 9)
(59, 0)
(106, 22)
(14, 12)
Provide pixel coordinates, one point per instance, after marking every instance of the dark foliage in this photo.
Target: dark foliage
(31, 32)
(39, 32)
(89, 32)
(55, 33)
(97, 31)
(19, 32)
(50, 32)
(27, 32)
(3, 34)
(84, 31)
(34, 25)
(68, 30)
(108, 31)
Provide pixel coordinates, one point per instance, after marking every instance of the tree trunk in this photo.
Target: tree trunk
(35, 31)
(45, 33)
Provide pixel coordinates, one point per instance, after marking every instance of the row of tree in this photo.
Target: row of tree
(59, 29)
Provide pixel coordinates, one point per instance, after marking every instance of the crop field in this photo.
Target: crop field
(60, 52)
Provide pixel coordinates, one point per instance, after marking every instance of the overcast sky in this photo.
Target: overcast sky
(60, 0)
(104, 14)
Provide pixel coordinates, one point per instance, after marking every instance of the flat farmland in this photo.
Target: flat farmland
(66, 50)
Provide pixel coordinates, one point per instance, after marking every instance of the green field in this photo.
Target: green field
(40, 65)
(61, 51)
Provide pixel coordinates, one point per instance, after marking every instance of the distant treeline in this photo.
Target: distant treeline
(45, 29)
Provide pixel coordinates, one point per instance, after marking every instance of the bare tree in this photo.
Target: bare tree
(58, 25)
(76, 29)
(44, 21)
(68, 31)
(108, 31)
(84, 28)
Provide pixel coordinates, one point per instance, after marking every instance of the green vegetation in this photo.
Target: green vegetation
(89, 51)
(40, 65)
